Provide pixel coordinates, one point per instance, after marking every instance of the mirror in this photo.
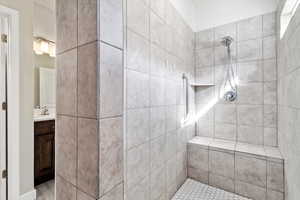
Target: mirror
(44, 82)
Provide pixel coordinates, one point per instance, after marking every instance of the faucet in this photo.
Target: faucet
(44, 110)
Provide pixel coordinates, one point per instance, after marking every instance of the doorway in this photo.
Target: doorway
(3, 101)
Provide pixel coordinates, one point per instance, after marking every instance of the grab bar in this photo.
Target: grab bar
(186, 83)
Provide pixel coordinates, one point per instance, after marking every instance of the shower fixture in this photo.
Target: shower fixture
(228, 90)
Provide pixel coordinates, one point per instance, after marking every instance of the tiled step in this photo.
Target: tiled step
(249, 170)
(194, 190)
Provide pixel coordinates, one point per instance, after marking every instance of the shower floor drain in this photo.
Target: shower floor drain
(193, 190)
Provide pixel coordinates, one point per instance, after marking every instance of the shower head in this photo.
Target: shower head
(226, 41)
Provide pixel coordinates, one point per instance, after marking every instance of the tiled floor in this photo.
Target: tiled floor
(45, 191)
(193, 190)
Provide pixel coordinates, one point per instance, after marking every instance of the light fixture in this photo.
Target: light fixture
(42, 46)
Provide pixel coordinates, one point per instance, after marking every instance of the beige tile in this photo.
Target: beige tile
(111, 81)
(111, 22)
(159, 7)
(270, 93)
(270, 137)
(250, 28)
(221, 182)
(221, 163)
(64, 190)
(88, 155)
(157, 122)
(87, 21)
(270, 116)
(275, 176)
(171, 145)
(274, 195)
(251, 135)
(269, 24)
(205, 75)
(198, 175)
(66, 16)
(83, 196)
(138, 52)
(138, 163)
(137, 89)
(225, 113)
(111, 153)
(170, 118)
(270, 70)
(269, 47)
(139, 191)
(115, 194)
(251, 191)
(157, 61)
(181, 140)
(157, 183)
(156, 91)
(66, 148)
(202, 142)
(250, 115)
(273, 153)
(171, 171)
(250, 50)
(250, 93)
(197, 157)
(157, 152)
(251, 170)
(250, 72)
(204, 57)
(138, 127)
(157, 30)
(222, 145)
(225, 131)
(138, 18)
(87, 80)
(204, 39)
(67, 83)
(255, 150)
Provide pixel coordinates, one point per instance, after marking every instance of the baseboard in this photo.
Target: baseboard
(29, 195)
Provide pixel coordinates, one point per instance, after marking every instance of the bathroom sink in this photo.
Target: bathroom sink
(38, 118)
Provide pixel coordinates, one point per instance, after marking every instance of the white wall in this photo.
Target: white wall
(44, 21)
(204, 14)
(25, 9)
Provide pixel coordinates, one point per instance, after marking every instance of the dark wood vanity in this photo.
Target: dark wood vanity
(44, 151)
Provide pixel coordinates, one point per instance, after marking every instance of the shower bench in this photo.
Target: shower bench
(249, 170)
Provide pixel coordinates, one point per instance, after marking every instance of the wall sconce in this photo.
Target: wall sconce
(42, 46)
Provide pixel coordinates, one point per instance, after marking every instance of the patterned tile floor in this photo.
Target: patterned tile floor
(193, 190)
(45, 191)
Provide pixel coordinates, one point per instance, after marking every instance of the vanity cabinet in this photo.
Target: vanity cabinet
(44, 151)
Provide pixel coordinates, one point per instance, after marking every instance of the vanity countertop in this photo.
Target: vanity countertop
(39, 118)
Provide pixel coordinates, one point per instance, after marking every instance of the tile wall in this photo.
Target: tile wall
(159, 50)
(89, 132)
(252, 118)
(289, 102)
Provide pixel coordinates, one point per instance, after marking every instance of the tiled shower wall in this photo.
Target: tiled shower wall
(159, 50)
(89, 132)
(252, 118)
(289, 103)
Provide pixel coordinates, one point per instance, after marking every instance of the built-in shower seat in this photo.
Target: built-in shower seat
(249, 170)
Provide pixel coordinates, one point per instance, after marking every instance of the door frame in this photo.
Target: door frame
(13, 104)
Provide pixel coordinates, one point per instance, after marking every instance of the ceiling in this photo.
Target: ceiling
(204, 14)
